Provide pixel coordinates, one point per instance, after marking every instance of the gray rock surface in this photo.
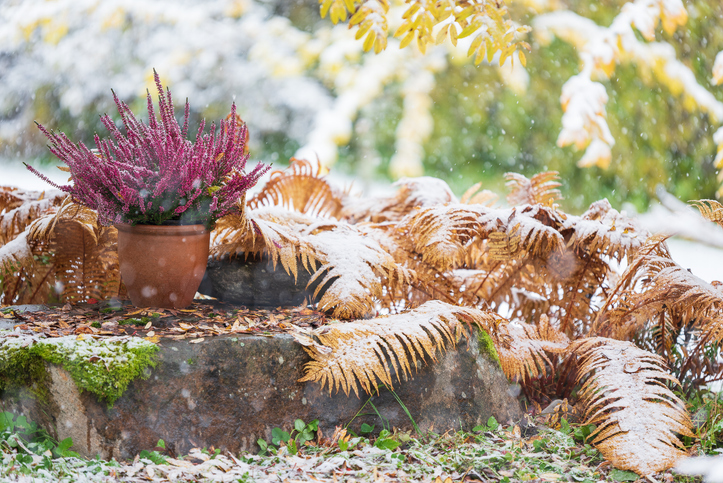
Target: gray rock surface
(227, 392)
(254, 282)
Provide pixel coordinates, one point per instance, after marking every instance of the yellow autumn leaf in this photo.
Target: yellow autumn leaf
(470, 29)
(474, 45)
(325, 6)
(406, 40)
(363, 29)
(411, 11)
(369, 41)
(442, 34)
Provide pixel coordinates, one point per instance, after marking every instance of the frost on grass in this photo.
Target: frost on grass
(103, 366)
(491, 454)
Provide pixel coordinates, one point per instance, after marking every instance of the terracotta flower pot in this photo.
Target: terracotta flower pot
(162, 266)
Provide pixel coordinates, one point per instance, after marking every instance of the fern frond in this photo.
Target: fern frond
(270, 231)
(603, 231)
(654, 283)
(522, 348)
(300, 187)
(636, 414)
(24, 277)
(711, 210)
(355, 267)
(351, 268)
(541, 188)
(20, 208)
(366, 353)
(85, 253)
(536, 226)
(412, 193)
(440, 233)
(473, 196)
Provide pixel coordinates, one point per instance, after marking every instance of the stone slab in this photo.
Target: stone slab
(255, 282)
(227, 392)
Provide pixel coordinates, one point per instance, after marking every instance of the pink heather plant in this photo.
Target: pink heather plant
(153, 174)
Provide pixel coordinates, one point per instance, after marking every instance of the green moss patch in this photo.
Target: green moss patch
(487, 346)
(103, 366)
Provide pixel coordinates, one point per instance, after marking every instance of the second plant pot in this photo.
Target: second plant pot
(161, 265)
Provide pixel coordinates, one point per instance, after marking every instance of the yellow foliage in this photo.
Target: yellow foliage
(488, 20)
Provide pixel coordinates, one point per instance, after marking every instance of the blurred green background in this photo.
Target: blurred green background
(483, 128)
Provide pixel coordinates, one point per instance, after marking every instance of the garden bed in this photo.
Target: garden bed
(226, 376)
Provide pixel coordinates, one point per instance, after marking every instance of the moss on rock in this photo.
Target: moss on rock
(21, 368)
(103, 366)
(487, 346)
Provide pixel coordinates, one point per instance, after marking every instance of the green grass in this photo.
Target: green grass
(494, 453)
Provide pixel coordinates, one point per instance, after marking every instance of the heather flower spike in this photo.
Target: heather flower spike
(152, 174)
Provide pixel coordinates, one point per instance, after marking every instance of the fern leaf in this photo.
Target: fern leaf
(302, 188)
(541, 188)
(711, 210)
(522, 348)
(352, 268)
(24, 278)
(440, 233)
(653, 284)
(412, 193)
(355, 266)
(363, 354)
(271, 231)
(20, 208)
(636, 414)
(85, 252)
(603, 231)
(473, 196)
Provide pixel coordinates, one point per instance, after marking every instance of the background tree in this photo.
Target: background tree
(306, 86)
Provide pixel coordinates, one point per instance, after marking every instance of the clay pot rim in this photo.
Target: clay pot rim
(162, 230)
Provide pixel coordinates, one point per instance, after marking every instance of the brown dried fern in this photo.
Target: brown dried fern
(541, 188)
(85, 255)
(473, 196)
(352, 268)
(19, 208)
(363, 354)
(636, 414)
(412, 193)
(26, 271)
(522, 348)
(711, 210)
(302, 188)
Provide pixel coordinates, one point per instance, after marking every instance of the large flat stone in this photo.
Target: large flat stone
(228, 391)
(255, 282)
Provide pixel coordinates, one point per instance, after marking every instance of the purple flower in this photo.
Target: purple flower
(152, 173)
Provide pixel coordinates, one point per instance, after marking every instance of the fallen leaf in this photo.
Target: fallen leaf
(136, 312)
(196, 341)
(151, 333)
(148, 325)
(549, 476)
